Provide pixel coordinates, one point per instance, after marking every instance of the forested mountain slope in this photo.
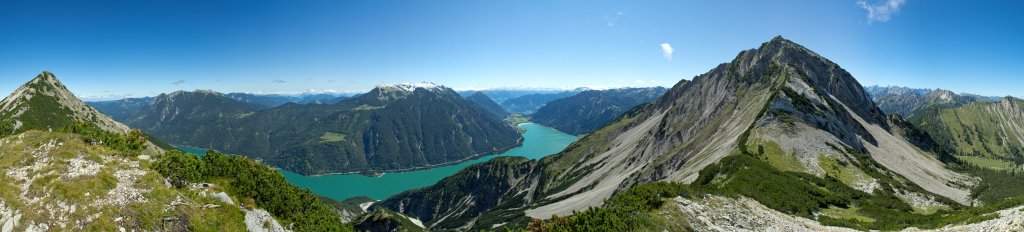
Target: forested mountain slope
(592, 109)
(390, 128)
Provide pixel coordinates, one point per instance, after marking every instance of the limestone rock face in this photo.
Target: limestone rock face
(779, 95)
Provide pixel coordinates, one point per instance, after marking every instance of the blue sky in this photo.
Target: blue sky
(110, 49)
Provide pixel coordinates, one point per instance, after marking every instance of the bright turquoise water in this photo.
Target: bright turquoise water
(538, 141)
(193, 150)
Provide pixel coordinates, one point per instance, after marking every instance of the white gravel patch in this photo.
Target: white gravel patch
(1009, 220)
(716, 213)
(125, 191)
(258, 220)
(78, 167)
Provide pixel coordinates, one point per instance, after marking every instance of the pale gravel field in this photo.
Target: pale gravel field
(716, 213)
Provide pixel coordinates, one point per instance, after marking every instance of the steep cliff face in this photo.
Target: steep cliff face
(468, 198)
(781, 102)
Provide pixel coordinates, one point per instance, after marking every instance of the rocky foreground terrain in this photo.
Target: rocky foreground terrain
(57, 182)
(717, 213)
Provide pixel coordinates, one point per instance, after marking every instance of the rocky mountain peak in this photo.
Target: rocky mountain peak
(45, 103)
(943, 95)
(384, 93)
(1009, 102)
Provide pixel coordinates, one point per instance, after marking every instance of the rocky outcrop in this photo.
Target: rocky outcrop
(466, 200)
(56, 181)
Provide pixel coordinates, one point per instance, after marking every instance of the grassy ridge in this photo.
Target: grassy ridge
(978, 129)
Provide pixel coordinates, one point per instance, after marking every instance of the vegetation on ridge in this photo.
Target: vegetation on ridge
(253, 182)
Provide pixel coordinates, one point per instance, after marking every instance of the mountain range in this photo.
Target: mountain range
(500, 95)
(778, 124)
(530, 103)
(390, 128)
(122, 109)
(908, 101)
(777, 139)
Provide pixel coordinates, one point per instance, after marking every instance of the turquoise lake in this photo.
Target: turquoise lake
(538, 141)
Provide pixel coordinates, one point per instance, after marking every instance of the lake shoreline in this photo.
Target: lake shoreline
(539, 141)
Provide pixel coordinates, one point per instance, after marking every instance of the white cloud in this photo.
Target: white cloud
(881, 10)
(611, 20)
(179, 82)
(642, 81)
(666, 51)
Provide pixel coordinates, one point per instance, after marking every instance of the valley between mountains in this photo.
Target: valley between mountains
(779, 138)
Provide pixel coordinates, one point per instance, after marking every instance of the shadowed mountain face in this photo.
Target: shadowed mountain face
(589, 110)
(389, 128)
(120, 110)
(184, 116)
(780, 102)
(273, 100)
(527, 104)
(484, 102)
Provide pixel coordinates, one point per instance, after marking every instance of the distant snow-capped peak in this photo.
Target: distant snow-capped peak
(409, 86)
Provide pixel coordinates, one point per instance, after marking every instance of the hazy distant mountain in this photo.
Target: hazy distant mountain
(877, 92)
(909, 101)
(590, 110)
(485, 102)
(527, 104)
(273, 100)
(390, 128)
(500, 95)
(120, 110)
(779, 124)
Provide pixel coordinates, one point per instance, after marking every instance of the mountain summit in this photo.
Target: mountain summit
(779, 104)
(44, 103)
